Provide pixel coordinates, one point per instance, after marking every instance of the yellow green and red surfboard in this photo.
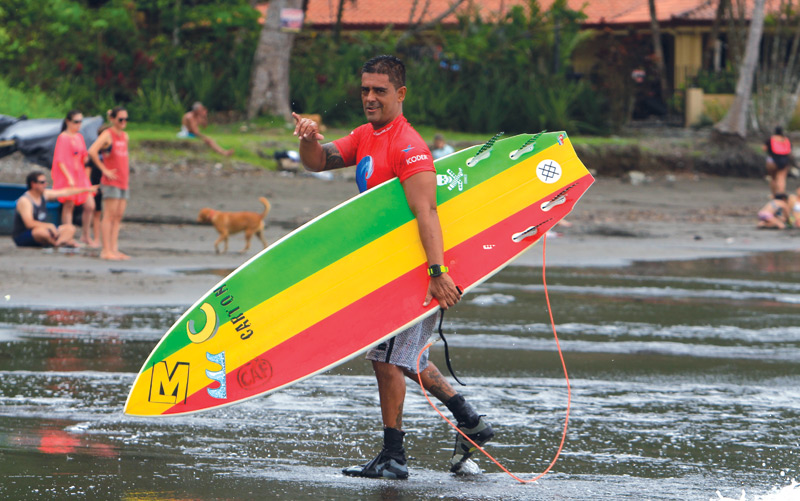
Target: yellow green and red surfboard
(355, 276)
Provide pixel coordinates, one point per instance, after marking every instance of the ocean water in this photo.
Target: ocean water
(684, 377)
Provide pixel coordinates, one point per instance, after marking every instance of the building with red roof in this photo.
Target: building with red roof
(685, 24)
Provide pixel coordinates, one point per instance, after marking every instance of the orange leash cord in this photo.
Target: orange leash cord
(566, 377)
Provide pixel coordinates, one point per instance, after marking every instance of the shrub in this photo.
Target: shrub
(485, 76)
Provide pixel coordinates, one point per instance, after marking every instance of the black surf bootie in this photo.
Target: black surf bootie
(481, 433)
(385, 465)
(390, 462)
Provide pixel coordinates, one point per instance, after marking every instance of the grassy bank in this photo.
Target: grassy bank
(254, 142)
(32, 103)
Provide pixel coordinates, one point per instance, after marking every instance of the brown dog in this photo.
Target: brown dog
(228, 223)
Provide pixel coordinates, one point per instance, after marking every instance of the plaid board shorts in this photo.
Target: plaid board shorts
(403, 349)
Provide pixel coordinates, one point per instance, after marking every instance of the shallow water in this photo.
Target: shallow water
(684, 379)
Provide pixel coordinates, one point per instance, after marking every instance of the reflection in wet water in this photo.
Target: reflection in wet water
(684, 378)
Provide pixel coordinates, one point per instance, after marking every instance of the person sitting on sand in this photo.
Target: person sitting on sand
(440, 148)
(190, 127)
(775, 213)
(31, 228)
(794, 209)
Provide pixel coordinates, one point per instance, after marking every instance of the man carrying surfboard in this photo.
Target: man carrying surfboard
(382, 149)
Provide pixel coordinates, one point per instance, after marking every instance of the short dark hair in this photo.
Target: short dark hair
(33, 177)
(779, 131)
(387, 65)
(781, 196)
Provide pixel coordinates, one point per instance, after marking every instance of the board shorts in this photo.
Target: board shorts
(185, 134)
(25, 239)
(114, 192)
(780, 161)
(403, 349)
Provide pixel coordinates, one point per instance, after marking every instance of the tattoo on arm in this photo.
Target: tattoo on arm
(333, 159)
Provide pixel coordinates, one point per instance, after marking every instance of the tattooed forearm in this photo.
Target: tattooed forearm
(333, 159)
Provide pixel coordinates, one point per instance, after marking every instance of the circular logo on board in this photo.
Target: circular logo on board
(548, 171)
(254, 374)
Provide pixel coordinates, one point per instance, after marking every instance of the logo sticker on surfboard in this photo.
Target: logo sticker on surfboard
(452, 179)
(548, 171)
(220, 391)
(169, 386)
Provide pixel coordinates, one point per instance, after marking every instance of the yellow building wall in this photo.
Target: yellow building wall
(688, 56)
(714, 107)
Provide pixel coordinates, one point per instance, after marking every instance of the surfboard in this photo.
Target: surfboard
(355, 276)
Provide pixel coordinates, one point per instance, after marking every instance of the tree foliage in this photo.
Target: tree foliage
(510, 73)
(778, 75)
(145, 53)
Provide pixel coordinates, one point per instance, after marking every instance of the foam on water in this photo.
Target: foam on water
(655, 292)
(785, 493)
(681, 387)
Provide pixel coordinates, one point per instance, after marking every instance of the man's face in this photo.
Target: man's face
(39, 185)
(382, 102)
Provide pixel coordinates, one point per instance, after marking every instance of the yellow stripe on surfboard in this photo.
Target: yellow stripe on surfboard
(341, 283)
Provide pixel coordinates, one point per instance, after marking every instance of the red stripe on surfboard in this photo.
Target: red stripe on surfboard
(470, 261)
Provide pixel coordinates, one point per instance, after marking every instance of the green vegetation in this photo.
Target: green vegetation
(34, 103)
(721, 82)
(154, 56)
(158, 56)
(509, 74)
(254, 142)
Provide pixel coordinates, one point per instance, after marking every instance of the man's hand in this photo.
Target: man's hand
(444, 290)
(306, 129)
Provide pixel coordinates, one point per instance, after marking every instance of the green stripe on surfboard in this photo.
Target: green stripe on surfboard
(364, 219)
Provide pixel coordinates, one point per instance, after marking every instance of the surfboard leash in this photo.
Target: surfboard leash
(566, 377)
(446, 349)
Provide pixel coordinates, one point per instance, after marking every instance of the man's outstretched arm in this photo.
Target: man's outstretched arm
(316, 157)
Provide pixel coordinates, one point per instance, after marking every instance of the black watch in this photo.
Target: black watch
(436, 270)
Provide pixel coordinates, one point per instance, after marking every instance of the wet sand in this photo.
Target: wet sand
(672, 216)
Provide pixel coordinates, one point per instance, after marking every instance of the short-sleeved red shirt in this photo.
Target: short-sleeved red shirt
(396, 150)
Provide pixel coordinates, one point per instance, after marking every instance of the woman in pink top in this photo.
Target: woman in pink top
(68, 171)
(114, 182)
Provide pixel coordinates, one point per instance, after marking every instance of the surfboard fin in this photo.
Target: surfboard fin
(484, 152)
(557, 200)
(527, 233)
(527, 147)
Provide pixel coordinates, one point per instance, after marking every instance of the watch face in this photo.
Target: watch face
(434, 270)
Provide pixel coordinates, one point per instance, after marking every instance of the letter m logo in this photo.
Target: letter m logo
(169, 387)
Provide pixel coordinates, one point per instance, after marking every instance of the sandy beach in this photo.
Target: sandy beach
(669, 216)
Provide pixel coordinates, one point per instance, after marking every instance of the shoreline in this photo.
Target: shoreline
(669, 217)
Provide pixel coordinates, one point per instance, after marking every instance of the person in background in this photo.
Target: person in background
(114, 182)
(95, 175)
(384, 148)
(31, 228)
(440, 148)
(191, 123)
(779, 156)
(794, 209)
(68, 171)
(775, 214)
